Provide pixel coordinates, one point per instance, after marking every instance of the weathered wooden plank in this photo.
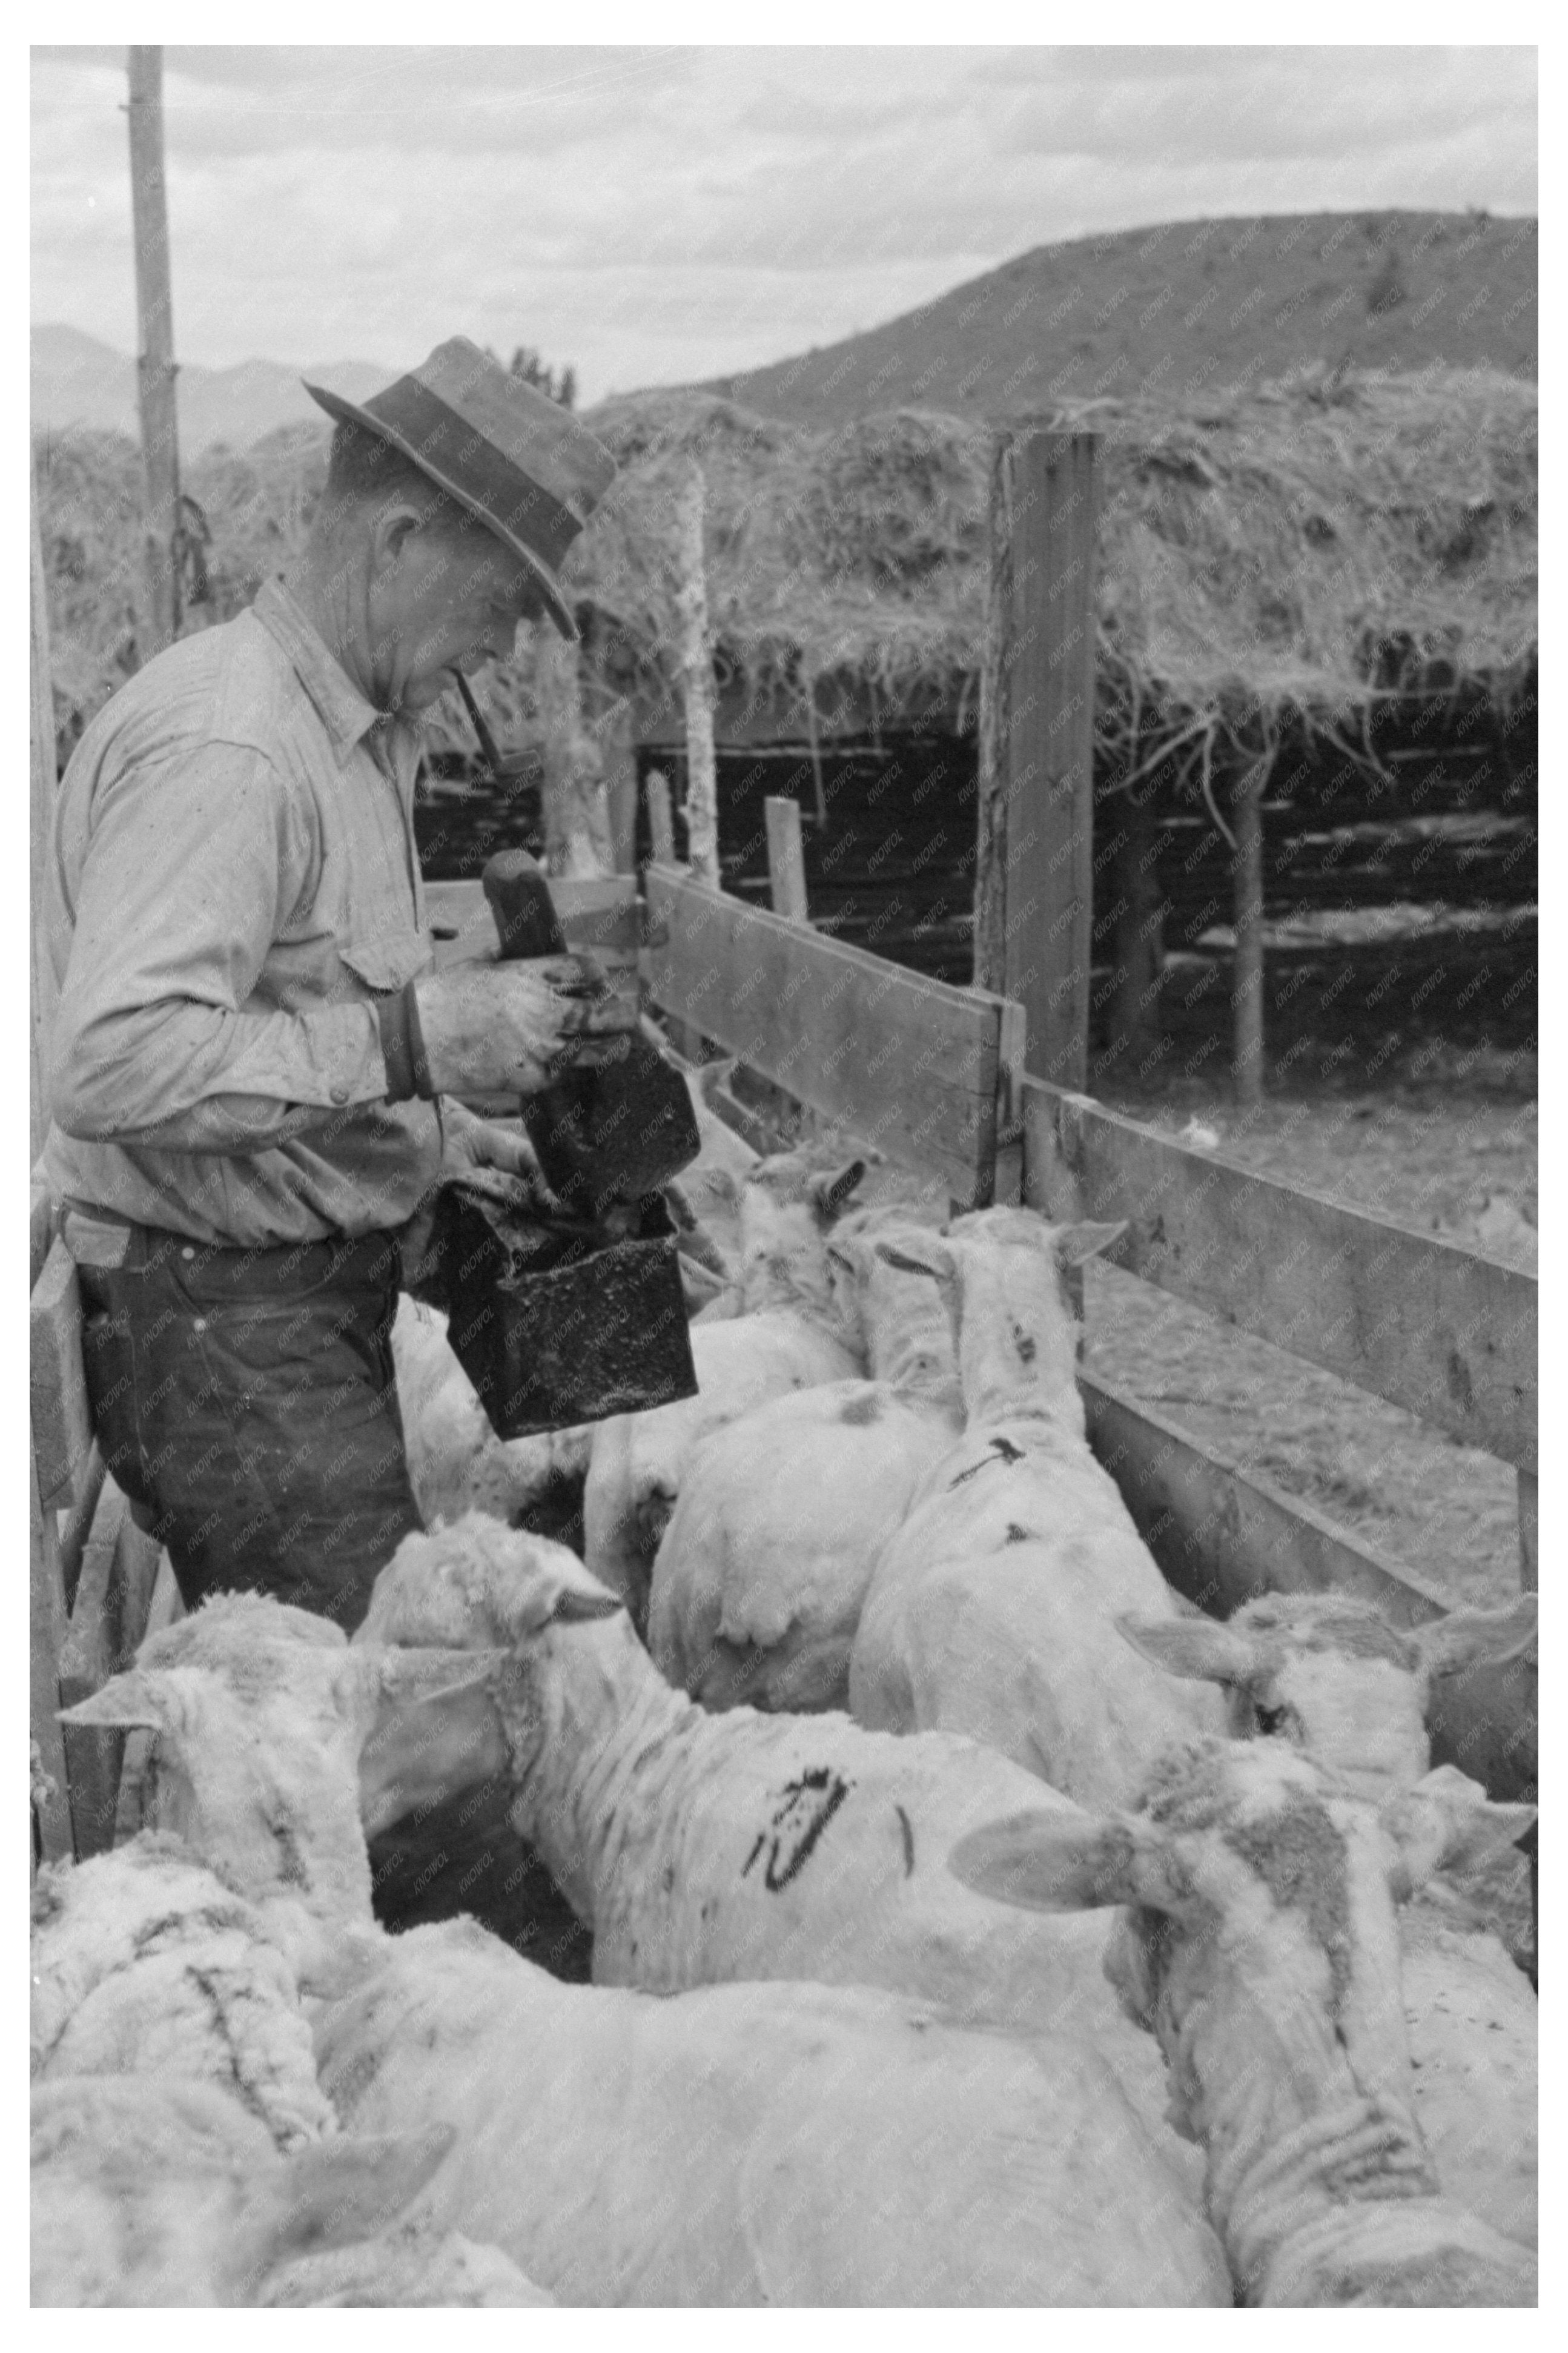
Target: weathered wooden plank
(41, 812)
(619, 755)
(1033, 875)
(40, 1231)
(1528, 1531)
(1436, 1329)
(1221, 1536)
(786, 858)
(660, 819)
(77, 1523)
(46, 1632)
(159, 619)
(62, 1424)
(138, 1558)
(89, 1656)
(906, 1063)
(131, 1808)
(601, 915)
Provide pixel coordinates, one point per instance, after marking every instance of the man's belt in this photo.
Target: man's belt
(98, 1237)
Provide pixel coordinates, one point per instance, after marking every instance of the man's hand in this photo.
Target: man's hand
(493, 1159)
(488, 1157)
(494, 1029)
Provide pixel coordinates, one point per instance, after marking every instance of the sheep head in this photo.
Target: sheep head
(272, 1734)
(479, 1582)
(1004, 1274)
(789, 1203)
(1261, 1896)
(1332, 1677)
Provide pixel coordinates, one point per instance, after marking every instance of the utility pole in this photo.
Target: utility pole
(156, 354)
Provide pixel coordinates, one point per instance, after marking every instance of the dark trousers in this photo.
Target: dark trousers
(247, 1399)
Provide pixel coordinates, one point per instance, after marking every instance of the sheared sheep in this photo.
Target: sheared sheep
(703, 1847)
(791, 1335)
(274, 1738)
(1260, 1945)
(152, 2192)
(992, 1609)
(761, 2144)
(1332, 1676)
(760, 1576)
(788, 2143)
(145, 1962)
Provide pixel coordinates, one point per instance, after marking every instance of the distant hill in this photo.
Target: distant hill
(77, 380)
(1171, 310)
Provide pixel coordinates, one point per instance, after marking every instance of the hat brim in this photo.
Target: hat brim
(349, 412)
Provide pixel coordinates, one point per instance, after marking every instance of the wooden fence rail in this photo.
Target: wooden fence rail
(1433, 1328)
(909, 1064)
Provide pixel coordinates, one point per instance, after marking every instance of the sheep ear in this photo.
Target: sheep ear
(340, 2191)
(1474, 1638)
(710, 1075)
(1073, 1244)
(721, 1183)
(1056, 1862)
(1198, 1649)
(1447, 1820)
(135, 1700)
(573, 1605)
(832, 1187)
(936, 1261)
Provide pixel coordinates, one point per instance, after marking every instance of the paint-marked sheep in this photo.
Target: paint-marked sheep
(993, 1610)
(275, 1739)
(791, 1335)
(144, 1961)
(1260, 1945)
(703, 1847)
(760, 1576)
(800, 2144)
(1331, 1675)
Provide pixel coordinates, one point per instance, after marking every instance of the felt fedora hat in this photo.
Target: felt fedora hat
(518, 461)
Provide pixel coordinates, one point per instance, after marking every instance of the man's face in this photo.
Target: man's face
(445, 595)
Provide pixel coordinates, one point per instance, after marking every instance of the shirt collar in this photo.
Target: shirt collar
(343, 711)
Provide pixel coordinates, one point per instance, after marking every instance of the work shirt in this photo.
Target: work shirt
(233, 882)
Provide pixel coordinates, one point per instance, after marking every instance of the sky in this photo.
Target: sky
(663, 214)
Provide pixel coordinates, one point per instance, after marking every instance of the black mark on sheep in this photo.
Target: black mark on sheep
(909, 1838)
(807, 1808)
(999, 1449)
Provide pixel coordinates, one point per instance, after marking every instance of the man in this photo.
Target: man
(252, 1055)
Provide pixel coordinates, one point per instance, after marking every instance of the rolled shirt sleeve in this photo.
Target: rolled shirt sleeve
(195, 869)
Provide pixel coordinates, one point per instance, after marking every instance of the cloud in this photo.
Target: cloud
(661, 213)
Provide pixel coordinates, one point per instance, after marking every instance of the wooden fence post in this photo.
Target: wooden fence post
(1033, 873)
(697, 679)
(786, 858)
(41, 813)
(619, 753)
(660, 822)
(1246, 996)
(155, 351)
(1528, 1531)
